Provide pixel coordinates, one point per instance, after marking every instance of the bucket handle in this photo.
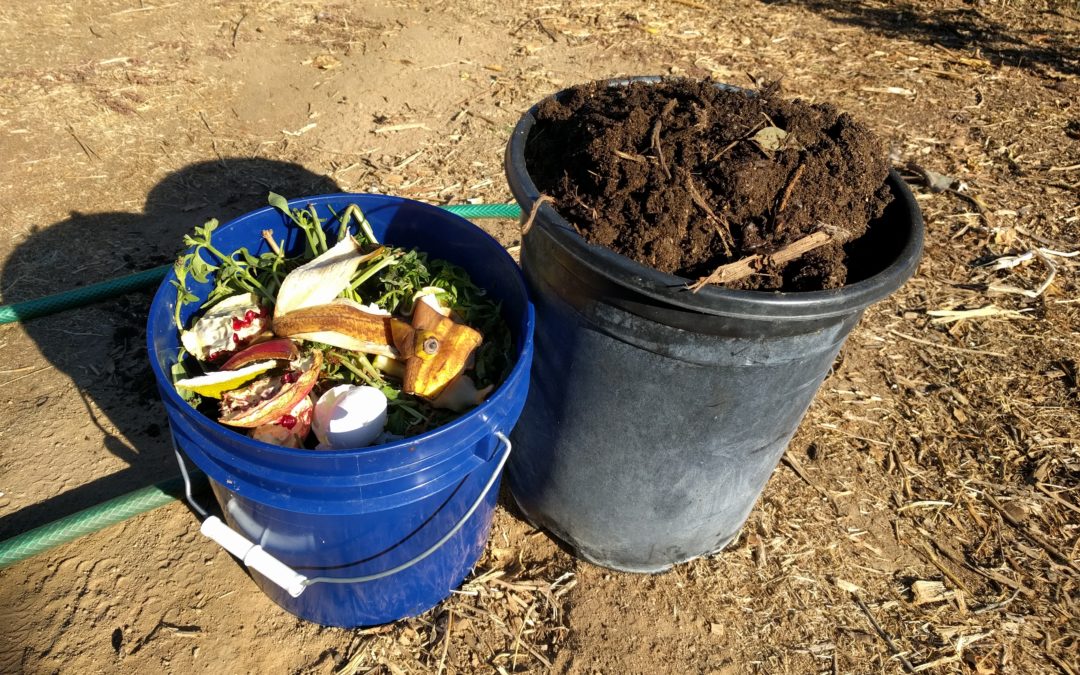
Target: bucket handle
(294, 583)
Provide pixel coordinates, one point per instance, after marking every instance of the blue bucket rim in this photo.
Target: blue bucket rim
(479, 414)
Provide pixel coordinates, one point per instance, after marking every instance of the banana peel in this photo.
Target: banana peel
(436, 352)
(345, 324)
(435, 349)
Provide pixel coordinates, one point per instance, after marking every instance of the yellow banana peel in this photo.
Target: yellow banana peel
(344, 324)
(436, 352)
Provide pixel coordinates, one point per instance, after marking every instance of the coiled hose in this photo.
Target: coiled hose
(119, 509)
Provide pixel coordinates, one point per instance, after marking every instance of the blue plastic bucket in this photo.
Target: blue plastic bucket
(353, 513)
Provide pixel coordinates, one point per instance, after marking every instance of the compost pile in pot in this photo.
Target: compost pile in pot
(684, 176)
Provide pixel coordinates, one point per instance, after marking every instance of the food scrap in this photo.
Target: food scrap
(350, 343)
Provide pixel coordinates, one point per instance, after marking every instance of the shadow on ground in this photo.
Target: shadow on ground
(967, 28)
(102, 348)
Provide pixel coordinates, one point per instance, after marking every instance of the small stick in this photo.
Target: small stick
(740, 269)
(948, 348)
(236, 29)
(527, 225)
(1026, 531)
(446, 642)
(883, 635)
(632, 158)
(268, 235)
(1059, 663)
(753, 130)
(656, 148)
(87, 150)
(656, 136)
(547, 31)
(928, 553)
(722, 226)
(989, 574)
(787, 191)
(1042, 488)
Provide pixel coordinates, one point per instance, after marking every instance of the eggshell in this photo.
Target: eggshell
(348, 416)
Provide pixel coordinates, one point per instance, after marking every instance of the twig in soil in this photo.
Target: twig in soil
(928, 553)
(723, 228)
(690, 3)
(633, 158)
(87, 150)
(400, 127)
(1043, 254)
(943, 316)
(989, 574)
(1027, 532)
(740, 269)
(1069, 505)
(25, 375)
(787, 192)
(446, 642)
(1064, 667)
(656, 137)
(948, 348)
(882, 634)
(745, 137)
(547, 31)
(995, 605)
(527, 225)
(928, 179)
(236, 28)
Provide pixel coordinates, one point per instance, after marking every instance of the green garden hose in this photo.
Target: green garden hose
(86, 295)
(91, 520)
(121, 508)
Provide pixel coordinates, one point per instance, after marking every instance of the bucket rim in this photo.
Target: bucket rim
(671, 290)
(480, 415)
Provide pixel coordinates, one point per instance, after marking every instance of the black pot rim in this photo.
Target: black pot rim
(672, 290)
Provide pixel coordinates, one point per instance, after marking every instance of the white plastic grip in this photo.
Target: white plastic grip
(254, 556)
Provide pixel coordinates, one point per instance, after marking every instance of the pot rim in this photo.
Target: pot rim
(671, 290)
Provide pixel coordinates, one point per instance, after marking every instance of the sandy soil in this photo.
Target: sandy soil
(943, 448)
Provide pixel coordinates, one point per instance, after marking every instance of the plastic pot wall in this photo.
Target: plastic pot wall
(655, 415)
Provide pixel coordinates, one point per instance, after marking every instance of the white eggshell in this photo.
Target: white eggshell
(349, 417)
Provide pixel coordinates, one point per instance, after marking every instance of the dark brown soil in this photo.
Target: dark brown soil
(662, 173)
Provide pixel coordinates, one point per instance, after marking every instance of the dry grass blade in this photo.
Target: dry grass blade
(946, 316)
(948, 348)
(882, 633)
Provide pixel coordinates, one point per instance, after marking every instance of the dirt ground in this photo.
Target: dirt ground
(927, 515)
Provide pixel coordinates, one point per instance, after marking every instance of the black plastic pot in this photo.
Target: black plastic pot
(656, 415)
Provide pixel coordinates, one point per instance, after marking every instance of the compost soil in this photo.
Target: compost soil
(680, 176)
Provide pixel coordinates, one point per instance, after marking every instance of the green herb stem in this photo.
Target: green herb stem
(385, 261)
